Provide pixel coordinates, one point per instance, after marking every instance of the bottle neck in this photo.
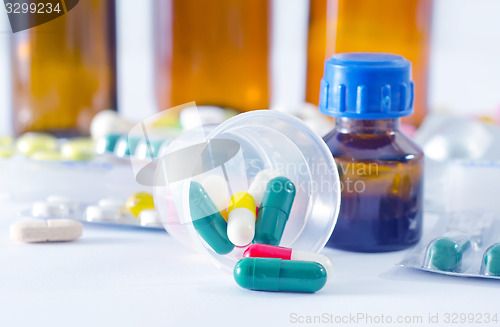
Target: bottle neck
(366, 126)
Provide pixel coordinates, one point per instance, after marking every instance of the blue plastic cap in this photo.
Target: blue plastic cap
(366, 86)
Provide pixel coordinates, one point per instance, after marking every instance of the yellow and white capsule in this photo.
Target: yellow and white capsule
(30, 143)
(241, 219)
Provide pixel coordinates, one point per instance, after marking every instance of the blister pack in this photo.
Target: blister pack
(465, 241)
(136, 211)
(461, 244)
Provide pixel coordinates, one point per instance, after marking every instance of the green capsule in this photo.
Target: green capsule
(207, 220)
(491, 260)
(148, 148)
(126, 146)
(446, 253)
(277, 275)
(107, 143)
(274, 211)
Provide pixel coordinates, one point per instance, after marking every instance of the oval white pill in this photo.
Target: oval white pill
(108, 122)
(112, 204)
(50, 210)
(192, 117)
(241, 226)
(62, 201)
(149, 218)
(259, 184)
(98, 213)
(41, 209)
(52, 230)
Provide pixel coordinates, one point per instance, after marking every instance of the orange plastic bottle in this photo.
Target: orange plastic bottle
(392, 26)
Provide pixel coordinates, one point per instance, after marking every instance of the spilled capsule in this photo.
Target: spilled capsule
(271, 251)
(277, 275)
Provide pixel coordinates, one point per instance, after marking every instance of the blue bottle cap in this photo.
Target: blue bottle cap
(366, 85)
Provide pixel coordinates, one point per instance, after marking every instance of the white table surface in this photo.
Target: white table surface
(126, 277)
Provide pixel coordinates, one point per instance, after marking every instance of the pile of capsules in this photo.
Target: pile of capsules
(110, 131)
(109, 136)
(121, 145)
(42, 146)
(138, 210)
(265, 265)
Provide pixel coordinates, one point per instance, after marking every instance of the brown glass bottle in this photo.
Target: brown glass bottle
(64, 71)
(212, 52)
(392, 26)
(381, 174)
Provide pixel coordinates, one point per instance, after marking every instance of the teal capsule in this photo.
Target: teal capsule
(148, 148)
(107, 143)
(207, 220)
(491, 260)
(446, 253)
(277, 275)
(274, 211)
(126, 146)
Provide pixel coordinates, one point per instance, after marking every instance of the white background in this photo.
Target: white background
(119, 277)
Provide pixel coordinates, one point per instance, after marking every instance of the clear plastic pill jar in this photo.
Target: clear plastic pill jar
(237, 150)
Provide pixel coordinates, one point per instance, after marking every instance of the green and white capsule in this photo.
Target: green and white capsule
(107, 144)
(277, 275)
(274, 211)
(207, 220)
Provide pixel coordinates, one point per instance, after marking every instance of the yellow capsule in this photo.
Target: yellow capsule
(78, 149)
(138, 202)
(241, 200)
(30, 143)
(46, 155)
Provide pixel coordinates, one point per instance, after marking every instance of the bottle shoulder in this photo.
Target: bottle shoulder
(393, 146)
